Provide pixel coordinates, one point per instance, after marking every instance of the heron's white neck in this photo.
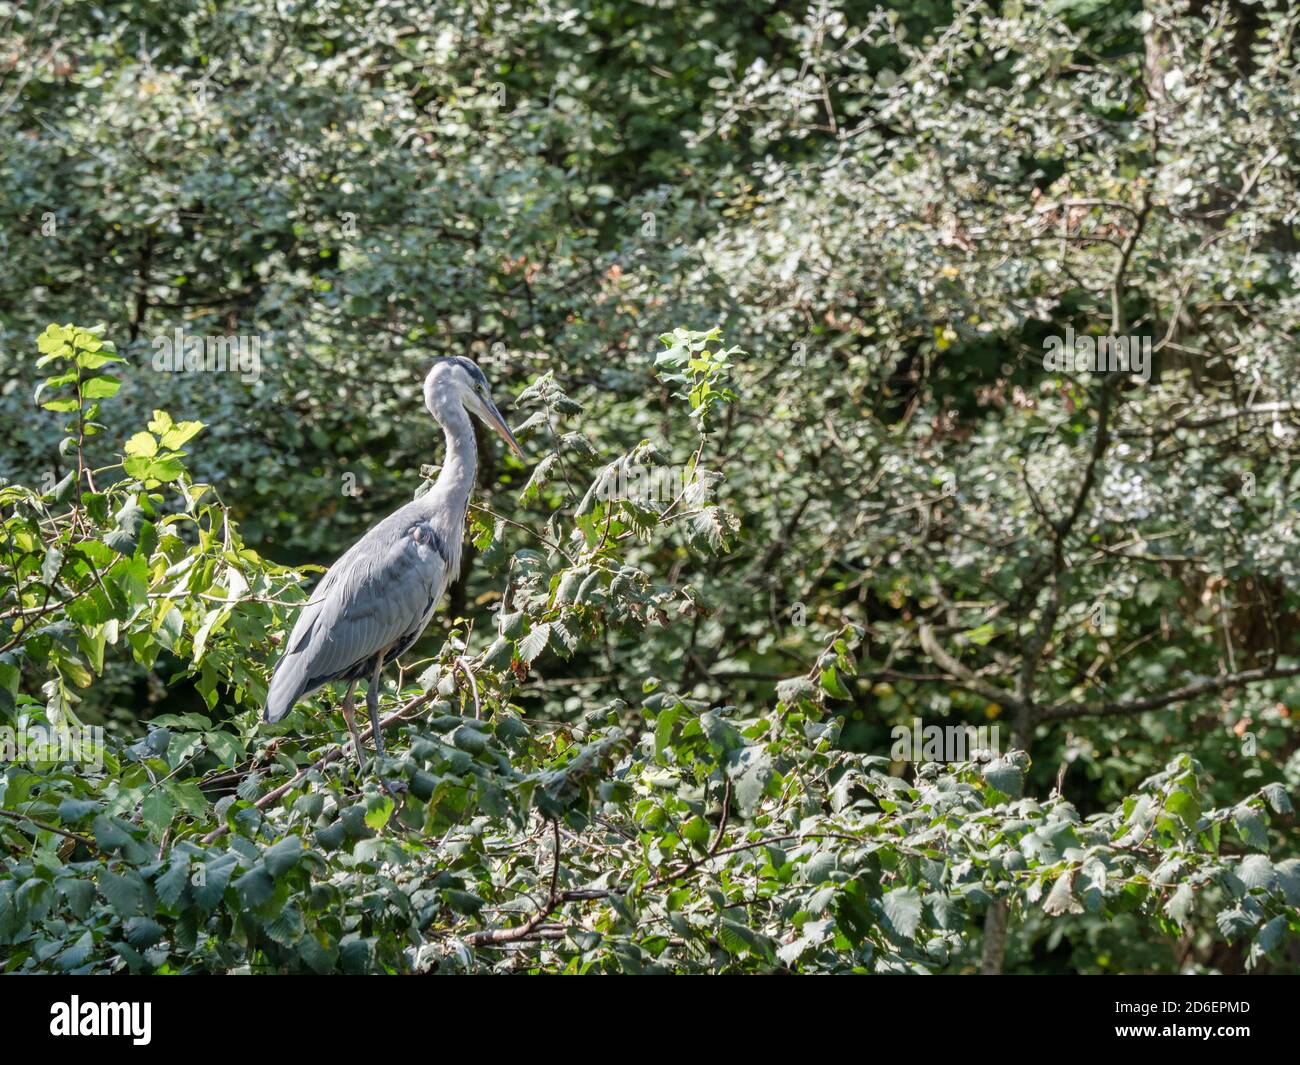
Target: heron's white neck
(461, 462)
(448, 500)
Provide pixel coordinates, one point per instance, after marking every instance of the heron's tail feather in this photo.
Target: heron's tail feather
(288, 685)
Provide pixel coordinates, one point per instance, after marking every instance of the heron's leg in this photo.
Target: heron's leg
(394, 788)
(350, 718)
(372, 704)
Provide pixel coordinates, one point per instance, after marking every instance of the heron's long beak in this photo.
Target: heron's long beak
(498, 422)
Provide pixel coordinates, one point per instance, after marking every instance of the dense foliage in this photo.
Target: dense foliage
(654, 730)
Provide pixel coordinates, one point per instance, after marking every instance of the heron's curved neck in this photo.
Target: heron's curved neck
(456, 480)
(445, 505)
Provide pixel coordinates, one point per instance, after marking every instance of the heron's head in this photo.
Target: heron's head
(456, 379)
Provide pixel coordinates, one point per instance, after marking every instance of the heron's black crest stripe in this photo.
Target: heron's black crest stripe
(475, 373)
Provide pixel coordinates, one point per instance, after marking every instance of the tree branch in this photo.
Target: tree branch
(1067, 711)
(522, 931)
(49, 828)
(964, 677)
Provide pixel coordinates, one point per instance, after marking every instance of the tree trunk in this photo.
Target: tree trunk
(995, 939)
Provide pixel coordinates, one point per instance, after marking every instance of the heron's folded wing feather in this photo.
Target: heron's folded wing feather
(378, 600)
(377, 593)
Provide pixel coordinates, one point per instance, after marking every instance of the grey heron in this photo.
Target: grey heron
(377, 599)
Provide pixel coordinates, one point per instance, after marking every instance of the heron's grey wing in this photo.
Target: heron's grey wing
(382, 591)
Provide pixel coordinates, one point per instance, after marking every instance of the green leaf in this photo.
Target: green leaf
(1271, 934)
(1277, 798)
(319, 957)
(792, 689)
(254, 887)
(111, 835)
(1179, 906)
(125, 534)
(1288, 880)
(211, 879)
(1061, 898)
(356, 956)
(1005, 776)
(534, 643)
(143, 932)
(170, 886)
(1237, 920)
(142, 445)
(188, 796)
(378, 817)
(750, 770)
(230, 749)
(52, 564)
(463, 901)
(100, 388)
(157, 809)
(664, 728)
(80, 894)
(93, 360)
(830, 682)
(125, 892)
(180, 433)
(282, 856)
(467, 738)
(71, 811)
(78, 953)
(1250, 827)
(287, 926)
(1256, 871)
(902, 908)
(696, 831)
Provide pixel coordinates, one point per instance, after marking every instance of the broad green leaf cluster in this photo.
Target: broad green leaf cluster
(669, 834)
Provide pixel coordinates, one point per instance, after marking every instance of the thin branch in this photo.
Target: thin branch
(461, 664)
(964, 677)
(726, 813)
(49, 828)
(491, 936)
(1213, 419)
(1067, 711)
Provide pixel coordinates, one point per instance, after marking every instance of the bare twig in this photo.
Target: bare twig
(1066, 711)
(491, 936)
(49, 828)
